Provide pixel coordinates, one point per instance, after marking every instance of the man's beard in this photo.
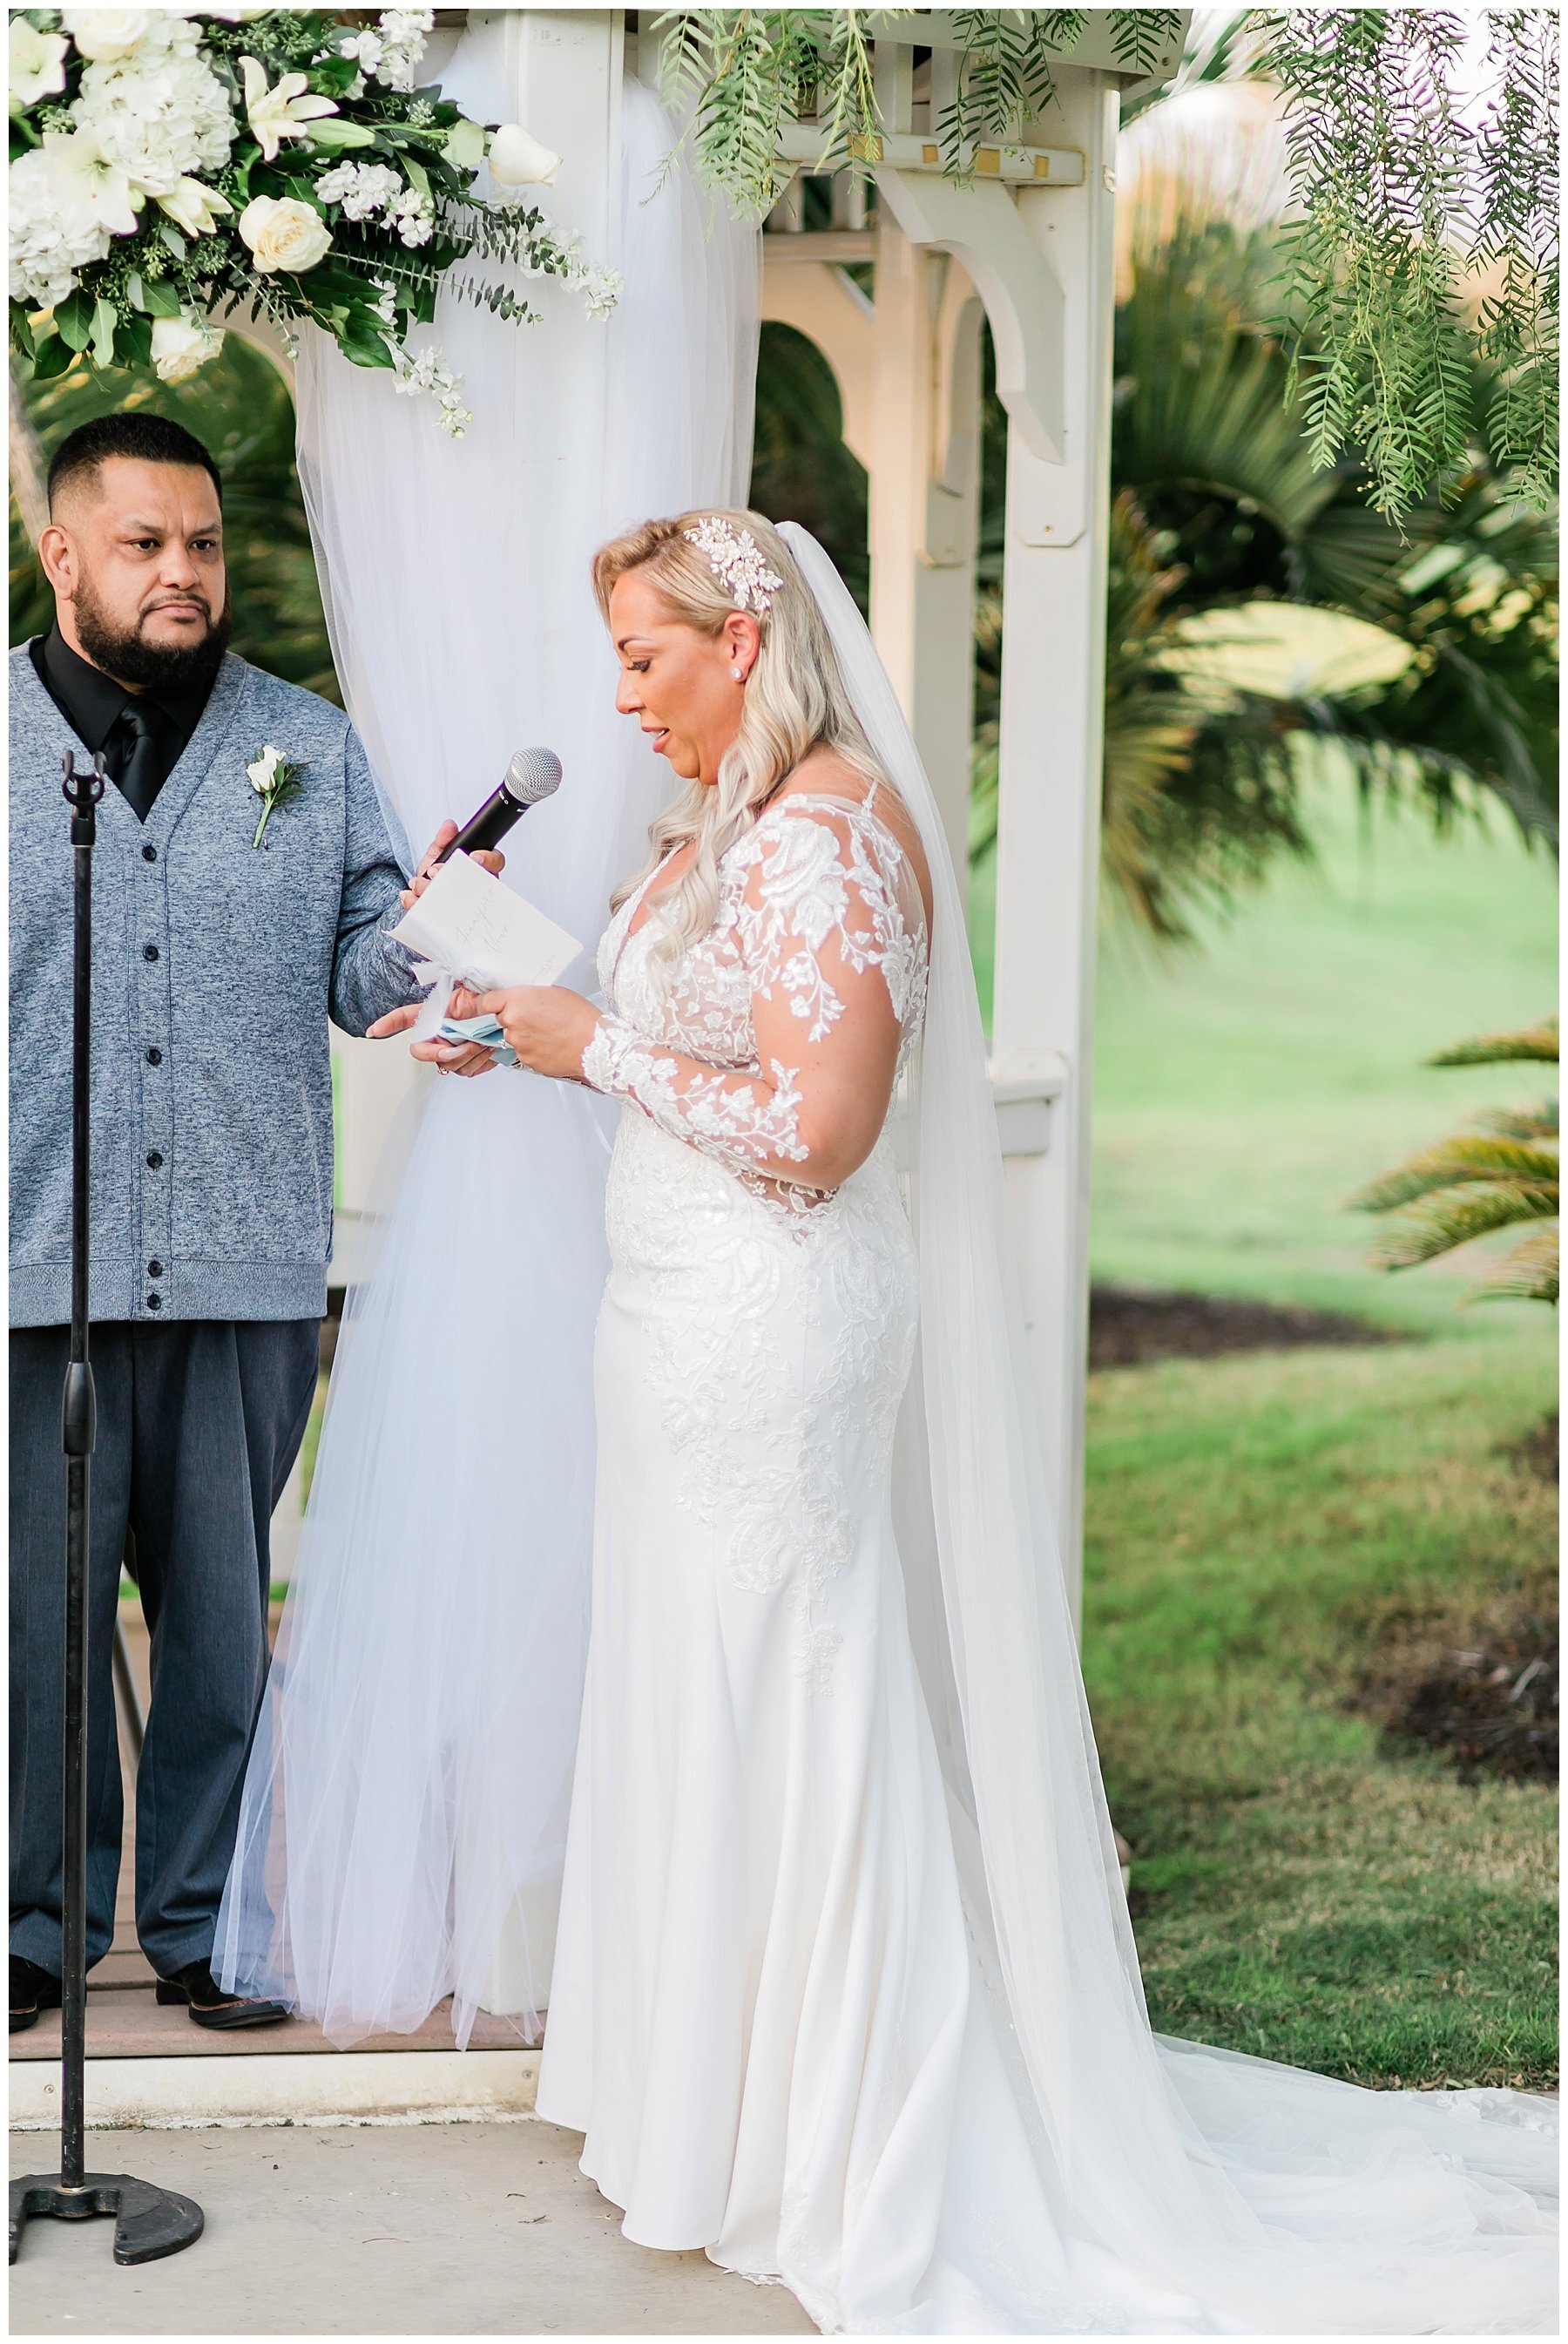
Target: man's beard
(124, 653)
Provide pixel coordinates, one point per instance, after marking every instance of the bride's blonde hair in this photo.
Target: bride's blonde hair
(794, 702)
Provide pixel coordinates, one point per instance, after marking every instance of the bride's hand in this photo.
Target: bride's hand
(547, 1025)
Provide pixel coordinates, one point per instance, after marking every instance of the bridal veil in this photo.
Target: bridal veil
(1251, 2196)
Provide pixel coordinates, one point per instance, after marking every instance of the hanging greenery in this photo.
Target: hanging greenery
(1398, 199)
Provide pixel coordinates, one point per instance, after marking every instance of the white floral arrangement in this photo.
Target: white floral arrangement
(169, 164)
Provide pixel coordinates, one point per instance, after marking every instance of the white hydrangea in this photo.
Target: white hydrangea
(159, 111)
(66, 203)
(362, 189)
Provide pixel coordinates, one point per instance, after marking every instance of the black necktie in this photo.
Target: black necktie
(133, 760)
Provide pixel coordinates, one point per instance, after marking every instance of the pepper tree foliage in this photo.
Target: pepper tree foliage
(1396, 197)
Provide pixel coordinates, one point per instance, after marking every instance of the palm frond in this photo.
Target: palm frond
(1443, 1222)
(1532, 1042)
(1529, 1274)
(1468, 1158)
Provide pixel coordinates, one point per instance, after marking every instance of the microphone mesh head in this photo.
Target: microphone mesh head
(533, 774)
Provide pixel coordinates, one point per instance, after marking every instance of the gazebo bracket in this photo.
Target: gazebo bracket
(981, 228)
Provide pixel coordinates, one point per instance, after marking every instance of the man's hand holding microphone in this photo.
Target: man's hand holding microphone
(552, 1024)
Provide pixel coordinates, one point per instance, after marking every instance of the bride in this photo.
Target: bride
(845, 1991)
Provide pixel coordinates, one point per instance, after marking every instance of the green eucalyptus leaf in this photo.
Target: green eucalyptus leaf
(54, 355)
(104, 321)
(74, 319)
(158, 300)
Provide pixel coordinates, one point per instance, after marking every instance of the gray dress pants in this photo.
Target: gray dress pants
(199, 1424)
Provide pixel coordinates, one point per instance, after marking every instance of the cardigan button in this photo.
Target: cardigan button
(155, 1302)
(154, 1057)
(155, 1160)
(149, 952)
(149, 854)
(154, 1269)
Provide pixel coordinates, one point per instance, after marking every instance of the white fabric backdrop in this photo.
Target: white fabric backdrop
(405, 1811)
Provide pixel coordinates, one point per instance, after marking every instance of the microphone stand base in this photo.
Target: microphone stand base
(148, 2222)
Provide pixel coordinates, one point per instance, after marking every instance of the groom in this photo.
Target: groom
(220, 951)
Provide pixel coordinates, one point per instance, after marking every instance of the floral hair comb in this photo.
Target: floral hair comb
(737, 563)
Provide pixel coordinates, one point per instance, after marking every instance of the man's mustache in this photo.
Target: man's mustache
(200, 601)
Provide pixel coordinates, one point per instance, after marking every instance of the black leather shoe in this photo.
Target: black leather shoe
(195, 1987)
(31, 1990)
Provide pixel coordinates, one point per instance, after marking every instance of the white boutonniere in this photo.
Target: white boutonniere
(276, 778)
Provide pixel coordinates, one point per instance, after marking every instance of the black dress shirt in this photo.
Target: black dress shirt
(94, 706)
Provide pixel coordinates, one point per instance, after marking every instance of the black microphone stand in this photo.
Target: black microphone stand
(148, 2222)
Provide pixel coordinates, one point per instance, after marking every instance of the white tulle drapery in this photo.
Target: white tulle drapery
(1192, 2190)
(404, 1809)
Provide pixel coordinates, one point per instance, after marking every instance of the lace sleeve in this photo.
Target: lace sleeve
(832, 935)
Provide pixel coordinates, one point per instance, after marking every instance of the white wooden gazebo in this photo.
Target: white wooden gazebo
(1028, 248)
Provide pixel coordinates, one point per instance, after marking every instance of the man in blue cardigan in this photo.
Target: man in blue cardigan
(220, 951)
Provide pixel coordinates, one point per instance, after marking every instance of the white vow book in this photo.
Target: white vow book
(478, 931)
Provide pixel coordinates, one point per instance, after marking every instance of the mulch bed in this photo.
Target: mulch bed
(1130, 1326)
(1491, 1706)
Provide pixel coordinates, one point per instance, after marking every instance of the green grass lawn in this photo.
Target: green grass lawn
(1242, 1093)
(1251, 1522)
(1254, 1522)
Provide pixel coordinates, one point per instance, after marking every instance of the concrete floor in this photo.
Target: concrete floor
(466, 2230)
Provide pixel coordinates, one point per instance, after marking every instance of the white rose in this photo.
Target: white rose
(38, 65)
(518, 160)
(105, 33)
(181, 345)
(283, 232)
(263, 768)
(194, 206)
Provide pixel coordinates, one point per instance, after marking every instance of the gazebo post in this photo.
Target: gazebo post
(925, 505)
(1051, 748)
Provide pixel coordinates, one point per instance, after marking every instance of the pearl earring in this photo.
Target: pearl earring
(738, 673)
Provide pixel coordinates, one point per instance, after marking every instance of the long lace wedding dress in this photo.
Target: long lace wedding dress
(813, 2011)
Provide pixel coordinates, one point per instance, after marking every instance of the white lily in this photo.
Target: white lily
(191, 204)
(518, 159)
(85, 175)
(38, 65)
(282, 111)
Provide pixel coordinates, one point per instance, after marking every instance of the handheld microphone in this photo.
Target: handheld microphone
(533, 774)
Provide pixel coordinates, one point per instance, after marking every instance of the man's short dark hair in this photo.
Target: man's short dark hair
(146, 438)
